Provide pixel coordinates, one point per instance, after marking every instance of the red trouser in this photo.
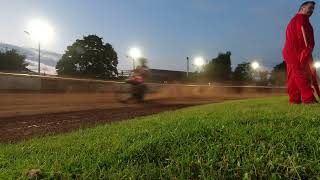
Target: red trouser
(299, 85)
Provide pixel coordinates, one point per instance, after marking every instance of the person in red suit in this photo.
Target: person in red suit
(297, 54)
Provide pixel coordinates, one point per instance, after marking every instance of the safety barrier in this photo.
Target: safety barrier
(33, 83)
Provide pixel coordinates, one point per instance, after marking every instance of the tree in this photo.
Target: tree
(142, 61)
(279, 74)
(219, 69)
(89, 57)
(262, 78)
(11, 61)
(243, 73)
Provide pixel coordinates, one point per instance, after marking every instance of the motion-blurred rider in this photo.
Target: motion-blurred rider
(137, 80)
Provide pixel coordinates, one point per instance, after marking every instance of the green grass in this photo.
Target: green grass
(250, 138)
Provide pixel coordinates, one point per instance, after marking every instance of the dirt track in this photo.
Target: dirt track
(13, 129)
(24, 116)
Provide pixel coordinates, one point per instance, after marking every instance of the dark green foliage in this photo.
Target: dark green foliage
(89, 57)
(11, 61)
(219, 69)
(262, 78)
(243, 73)
(279, 74)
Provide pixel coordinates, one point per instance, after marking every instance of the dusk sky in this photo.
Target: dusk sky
(167, 31)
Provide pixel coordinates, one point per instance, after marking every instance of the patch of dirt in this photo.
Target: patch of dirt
(27, 115)
(20, 128)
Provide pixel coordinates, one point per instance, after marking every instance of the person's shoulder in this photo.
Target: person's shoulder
(302, 18)
(299, 20)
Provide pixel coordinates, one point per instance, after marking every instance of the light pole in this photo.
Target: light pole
(188, 63)
(133, 63)
(39, 52)
(255, 67)
(135, 54)
(41, 32)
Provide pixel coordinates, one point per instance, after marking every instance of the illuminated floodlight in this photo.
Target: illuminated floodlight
(317, 64)
(135, 53)
(40, 30)
(255, 65)
(199, 61)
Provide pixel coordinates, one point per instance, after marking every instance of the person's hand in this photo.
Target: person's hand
(305, 55)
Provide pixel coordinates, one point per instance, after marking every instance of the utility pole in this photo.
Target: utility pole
(39, 58)
(188, 66)
(39, 55)
(133, 62)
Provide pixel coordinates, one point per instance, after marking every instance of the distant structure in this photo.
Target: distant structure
(167, 76)
(160, 75)
(27, 71)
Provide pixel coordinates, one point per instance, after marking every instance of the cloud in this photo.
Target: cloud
(33, 66)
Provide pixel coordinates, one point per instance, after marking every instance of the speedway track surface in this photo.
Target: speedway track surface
(27, 115)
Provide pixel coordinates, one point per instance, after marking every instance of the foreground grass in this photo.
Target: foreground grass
(249, 138)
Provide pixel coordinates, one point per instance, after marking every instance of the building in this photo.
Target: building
(162, 76)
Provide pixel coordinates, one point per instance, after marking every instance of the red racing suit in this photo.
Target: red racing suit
(297, 56)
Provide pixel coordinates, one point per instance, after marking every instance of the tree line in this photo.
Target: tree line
(90, 57)
(219, 69)
(12, 61)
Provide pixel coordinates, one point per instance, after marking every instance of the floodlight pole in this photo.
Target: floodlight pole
(39, 53)
(39, 57)
(133, 63)
(188, 66)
